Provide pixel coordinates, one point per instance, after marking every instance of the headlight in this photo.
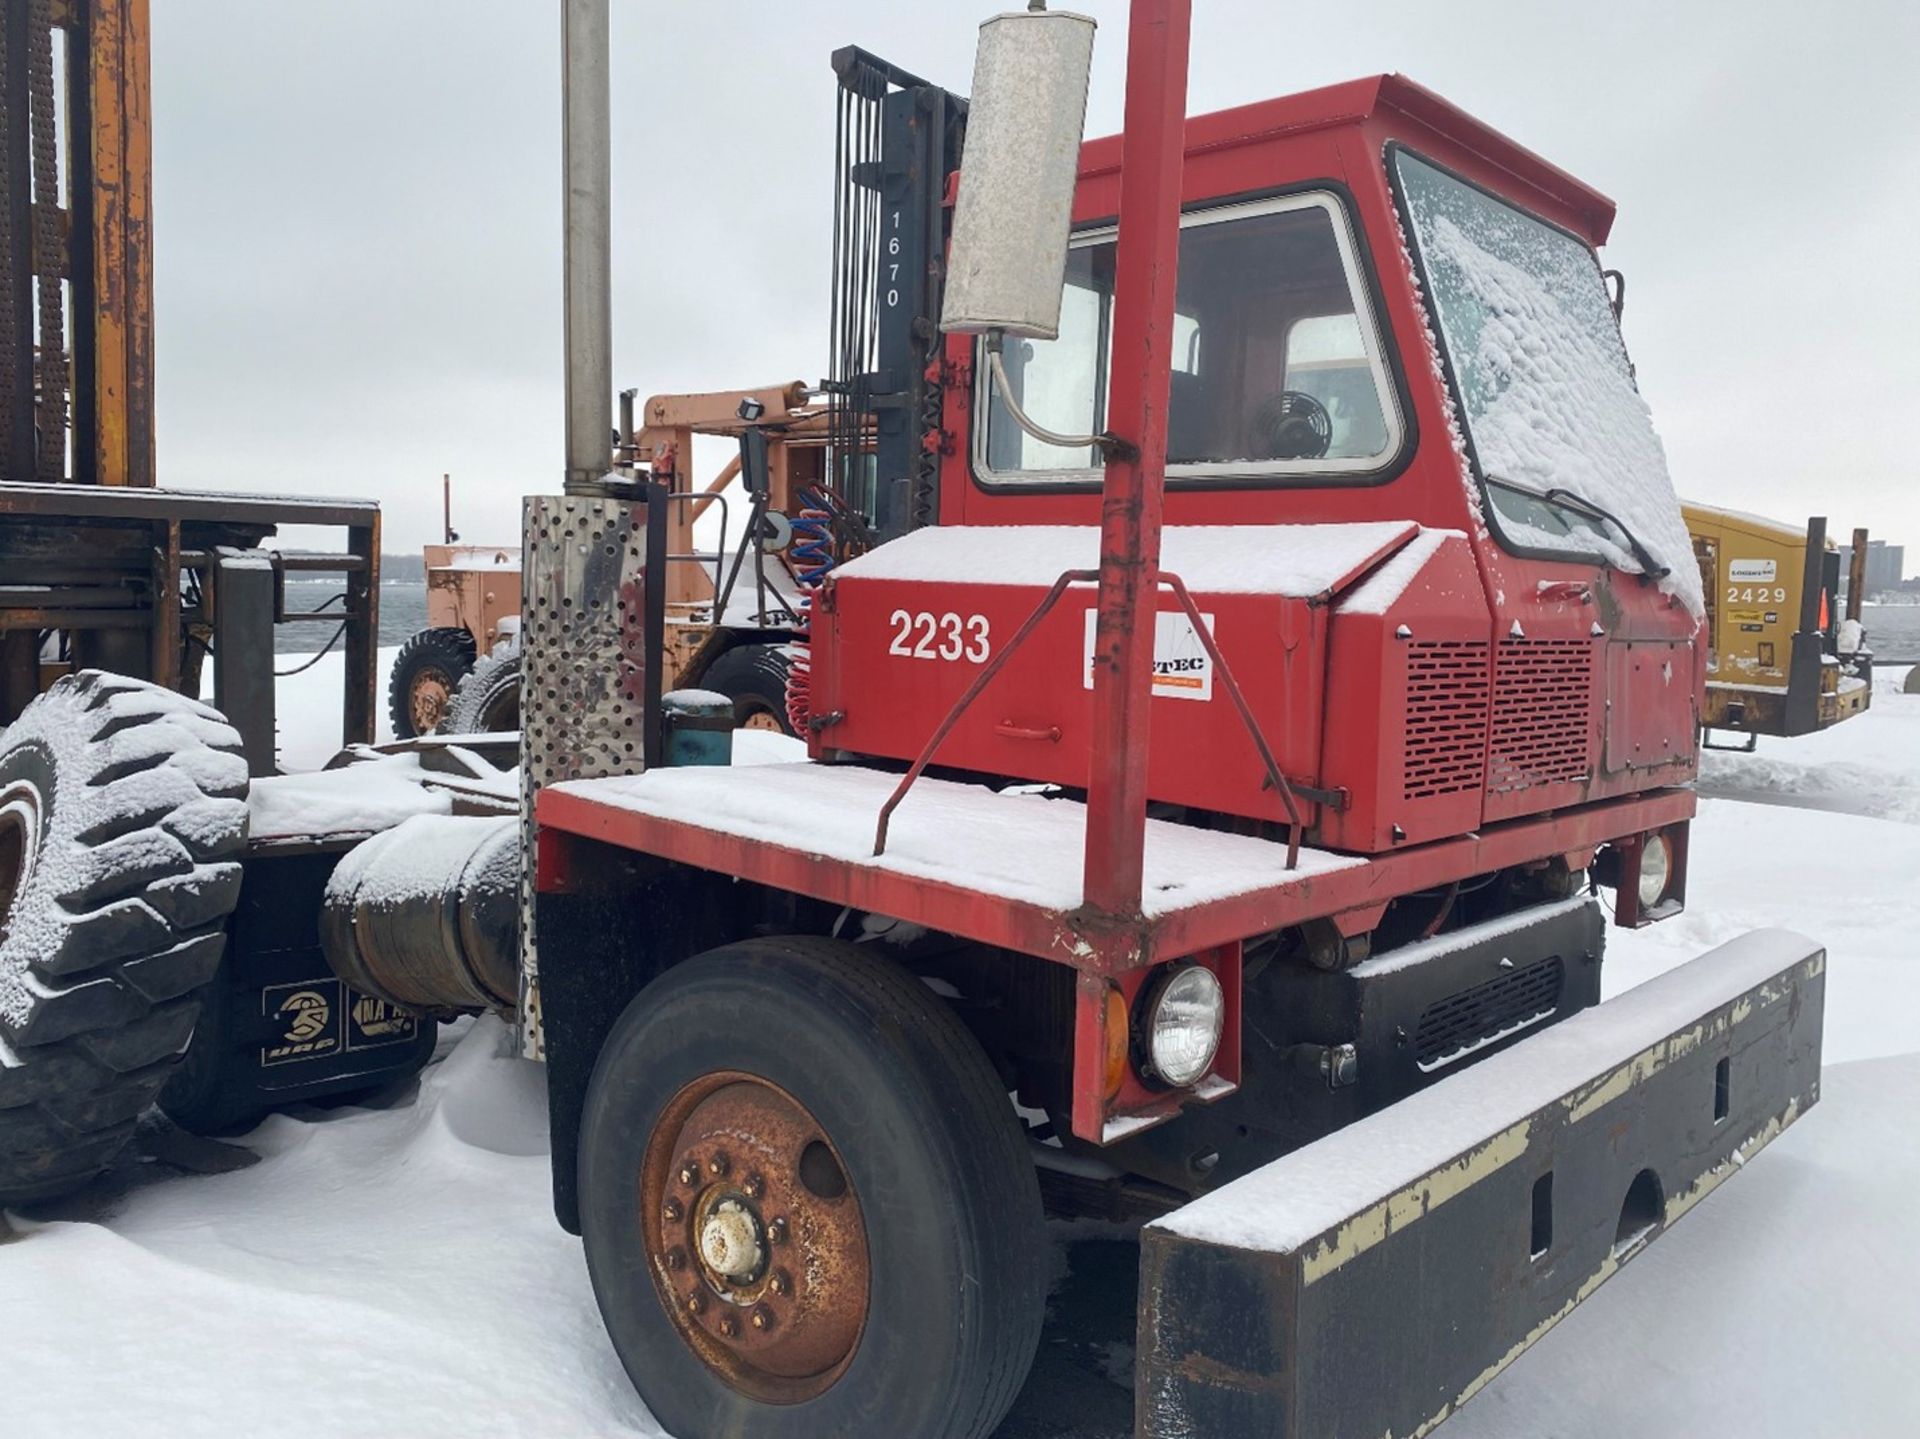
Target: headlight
(1184, 1020)
(1656, 870)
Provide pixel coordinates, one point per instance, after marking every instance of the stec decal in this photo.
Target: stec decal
(306, 1018)
(1182, 669)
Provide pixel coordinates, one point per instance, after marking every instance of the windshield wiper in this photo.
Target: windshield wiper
(1650, 568)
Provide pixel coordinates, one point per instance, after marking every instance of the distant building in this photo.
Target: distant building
(1886, 565)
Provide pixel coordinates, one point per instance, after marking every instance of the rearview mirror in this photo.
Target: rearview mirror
(1025, 119)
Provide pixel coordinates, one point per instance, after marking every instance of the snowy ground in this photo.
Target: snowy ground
(397, 1270)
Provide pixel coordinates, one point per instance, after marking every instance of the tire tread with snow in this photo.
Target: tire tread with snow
(128, 816)
(488, 699)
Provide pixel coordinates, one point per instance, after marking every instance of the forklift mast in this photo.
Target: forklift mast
(76, 306)
(98, 568)
(898, 141)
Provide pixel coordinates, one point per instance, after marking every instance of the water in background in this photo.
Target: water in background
(1893, 630)
(403, 610)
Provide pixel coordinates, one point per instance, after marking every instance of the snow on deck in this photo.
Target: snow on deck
(1021, 847)
(1295, 1200)
(1298, 561)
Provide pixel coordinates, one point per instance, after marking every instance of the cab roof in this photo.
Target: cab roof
(1389, 98)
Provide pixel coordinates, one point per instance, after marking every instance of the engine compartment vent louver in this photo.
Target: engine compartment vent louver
(1542, 714)
(1448, 686)
(1463, 1024)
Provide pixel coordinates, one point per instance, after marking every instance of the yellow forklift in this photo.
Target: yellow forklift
(1778, 662)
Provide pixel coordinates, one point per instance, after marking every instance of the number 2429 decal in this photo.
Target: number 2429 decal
(927, 636)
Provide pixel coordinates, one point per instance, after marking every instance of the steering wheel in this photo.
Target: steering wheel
(1292, 425)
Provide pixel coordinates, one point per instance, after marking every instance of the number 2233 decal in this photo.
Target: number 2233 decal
(927, 636)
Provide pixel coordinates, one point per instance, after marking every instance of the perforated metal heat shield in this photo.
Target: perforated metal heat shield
(582, 675)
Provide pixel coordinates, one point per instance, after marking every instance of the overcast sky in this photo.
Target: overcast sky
(358, 217)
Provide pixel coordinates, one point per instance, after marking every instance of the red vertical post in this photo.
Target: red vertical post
(1144, 279)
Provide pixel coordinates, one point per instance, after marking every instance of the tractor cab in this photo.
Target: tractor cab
(1401, 414)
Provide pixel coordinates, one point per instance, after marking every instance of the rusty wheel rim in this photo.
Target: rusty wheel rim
(764, 720)
(20, 810)
(427, 701)
(755, 1238)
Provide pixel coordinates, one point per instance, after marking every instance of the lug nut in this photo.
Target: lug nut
(777, 1231)
(729, 1326)
(670, 1211)
(696, 1302)
(718, 1165)
(689, 1175)
(676, 1259)
(755, 1186)
(763, 1318)
(780, 1283)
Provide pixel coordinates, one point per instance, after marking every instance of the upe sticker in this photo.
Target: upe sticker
(1181, 667)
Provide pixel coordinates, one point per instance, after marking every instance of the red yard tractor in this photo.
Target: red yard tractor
(1248, 648)
(1256, 628)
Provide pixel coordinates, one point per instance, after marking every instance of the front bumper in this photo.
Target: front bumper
(1373, 1282)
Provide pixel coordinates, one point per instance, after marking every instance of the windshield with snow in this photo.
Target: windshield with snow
(1545, 390)
(1277, 364)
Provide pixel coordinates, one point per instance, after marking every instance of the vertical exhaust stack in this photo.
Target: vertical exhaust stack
(587, 692)
(587, 143)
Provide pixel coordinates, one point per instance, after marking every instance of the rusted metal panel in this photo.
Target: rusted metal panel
(1474, 1215)
(118, 65)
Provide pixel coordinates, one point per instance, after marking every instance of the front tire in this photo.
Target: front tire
(808, 1204)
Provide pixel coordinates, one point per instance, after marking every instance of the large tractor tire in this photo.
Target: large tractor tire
(425, 675)
(123, 815)
(754, 677)
(488, 699)
(836, 1227)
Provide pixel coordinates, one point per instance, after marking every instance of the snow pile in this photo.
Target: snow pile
(380, 1272)
(1545, 378)
(354, 799)
(1864, 765)
(1294, 560)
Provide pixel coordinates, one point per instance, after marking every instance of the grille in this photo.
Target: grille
(1542, 698)
(1446, 725)
(1464, 1023)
